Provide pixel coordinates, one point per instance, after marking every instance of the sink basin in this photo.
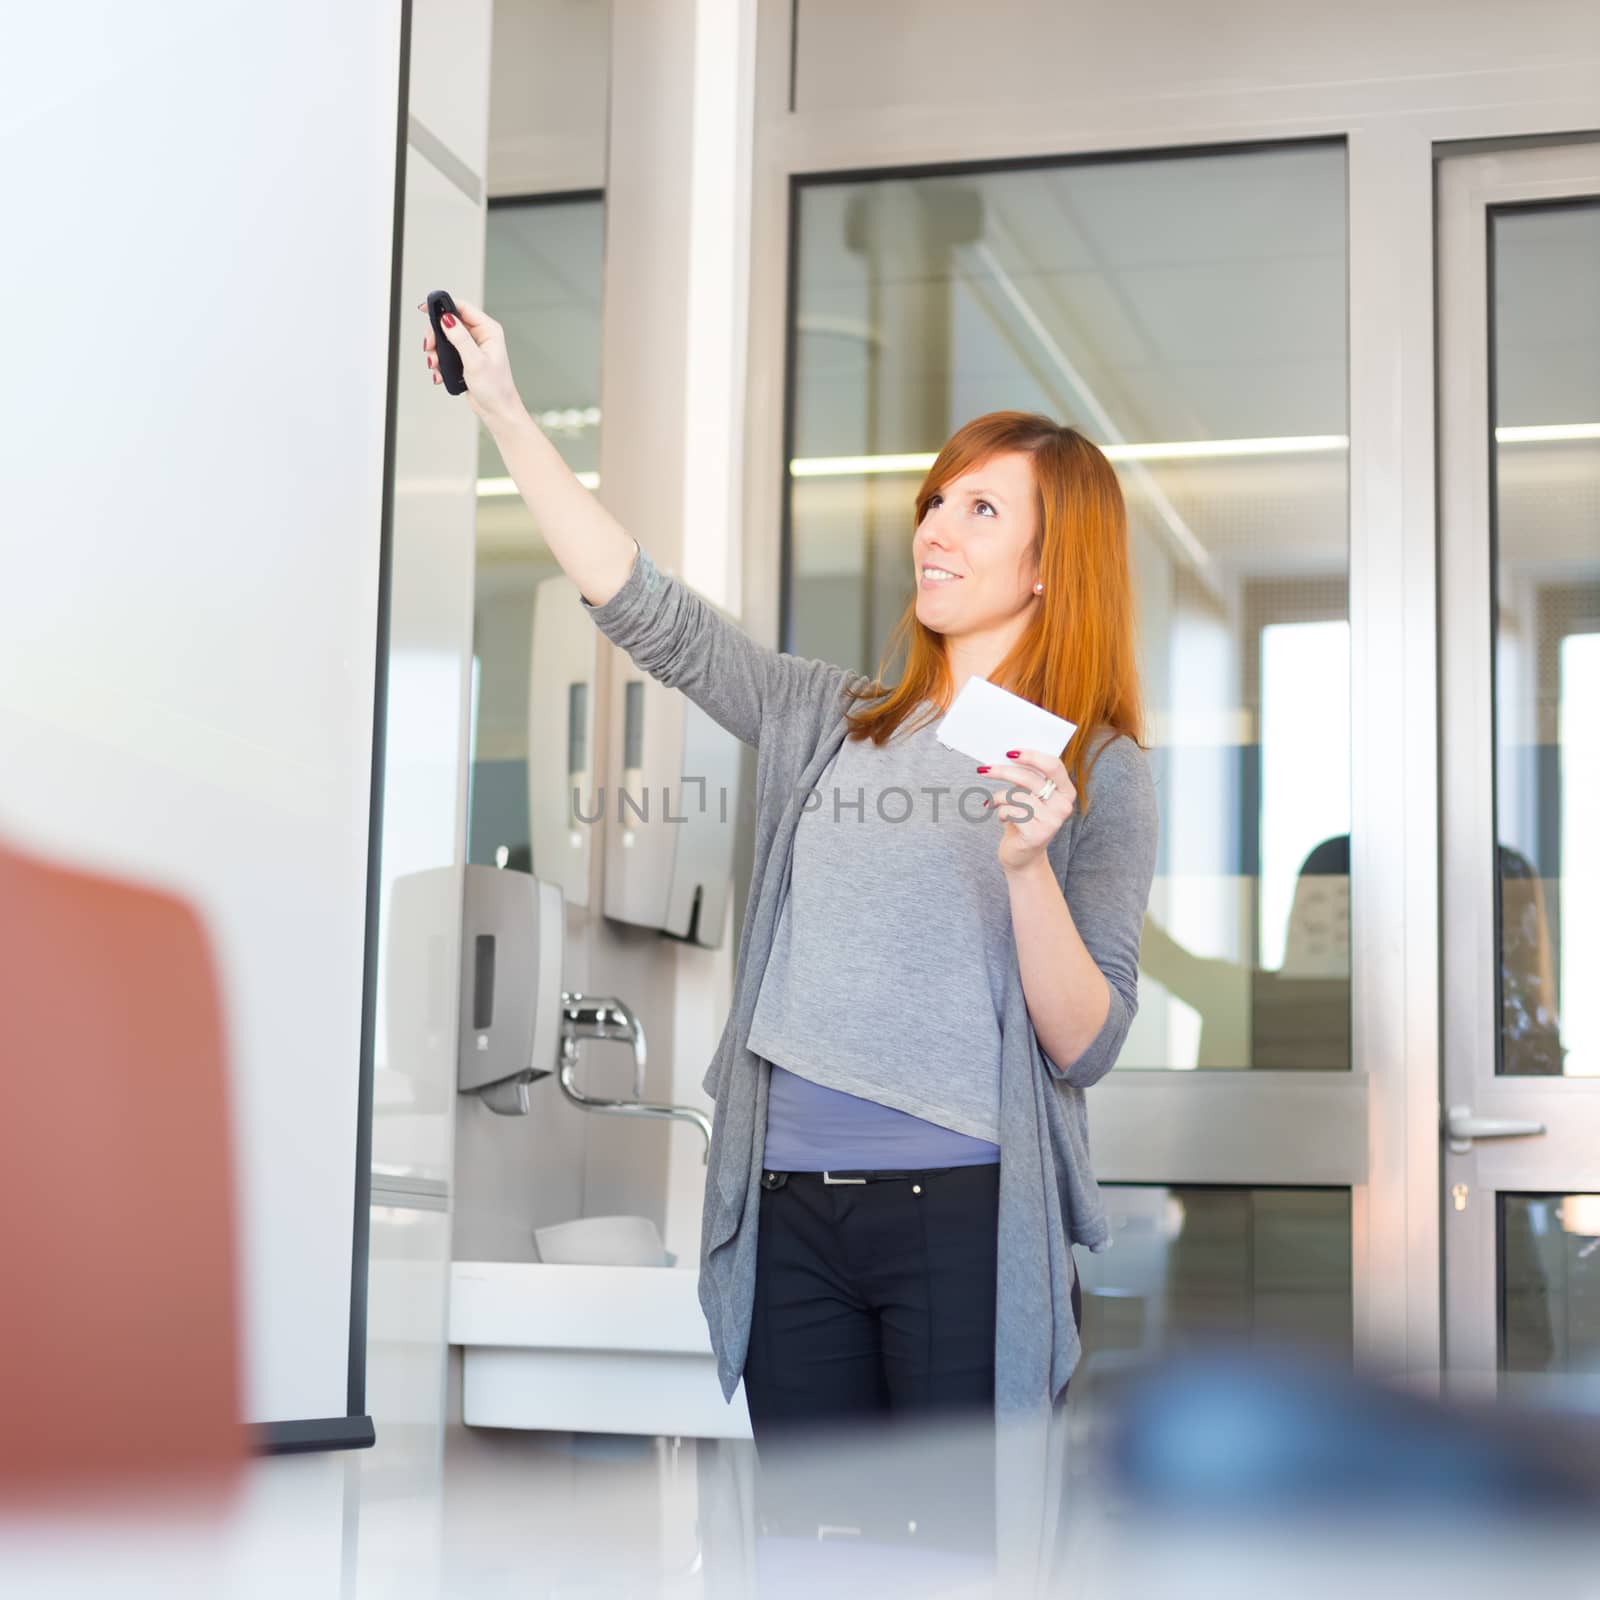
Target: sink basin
(603, 1242)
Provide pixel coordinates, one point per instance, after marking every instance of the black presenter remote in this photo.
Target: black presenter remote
(439, 302)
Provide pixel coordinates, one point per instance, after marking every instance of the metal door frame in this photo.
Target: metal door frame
(1470, 186)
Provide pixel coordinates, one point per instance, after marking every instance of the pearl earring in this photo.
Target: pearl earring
(1038, 588)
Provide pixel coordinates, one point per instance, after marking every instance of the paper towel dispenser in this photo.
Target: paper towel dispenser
(561, 674)
(671, 820)
(513, 928)
(419, 974)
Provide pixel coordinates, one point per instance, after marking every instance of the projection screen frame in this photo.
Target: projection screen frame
(354, 1430)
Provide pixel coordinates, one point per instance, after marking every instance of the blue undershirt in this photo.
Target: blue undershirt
(815, 1129)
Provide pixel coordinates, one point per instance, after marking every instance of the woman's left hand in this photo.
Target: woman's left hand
(1030, 823)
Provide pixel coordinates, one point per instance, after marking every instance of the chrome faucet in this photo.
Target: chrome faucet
(606, 1017)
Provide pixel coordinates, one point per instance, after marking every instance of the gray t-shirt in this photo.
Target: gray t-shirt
(888, 971)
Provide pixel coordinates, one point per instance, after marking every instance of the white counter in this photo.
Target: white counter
(588, 1349)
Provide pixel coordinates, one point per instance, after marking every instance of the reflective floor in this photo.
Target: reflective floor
(1228, 1474)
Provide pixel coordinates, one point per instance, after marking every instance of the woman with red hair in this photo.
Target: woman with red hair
(926, 985)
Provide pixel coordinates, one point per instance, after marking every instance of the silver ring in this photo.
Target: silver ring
(1048, 789)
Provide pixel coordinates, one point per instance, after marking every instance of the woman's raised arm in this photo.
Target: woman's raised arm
(672, 632)
(594, 549)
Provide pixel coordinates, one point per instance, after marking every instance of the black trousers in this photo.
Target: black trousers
(874, 1298)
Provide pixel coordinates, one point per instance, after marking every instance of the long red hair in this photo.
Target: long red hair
(1077, 656)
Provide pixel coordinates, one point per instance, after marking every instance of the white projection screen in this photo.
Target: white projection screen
(198, 256)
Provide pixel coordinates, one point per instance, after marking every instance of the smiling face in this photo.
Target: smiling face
(981, 527)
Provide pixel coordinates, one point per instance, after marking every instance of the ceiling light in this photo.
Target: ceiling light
(1302, 444)
(1554, 431)
(493, 488)
(1177, 450)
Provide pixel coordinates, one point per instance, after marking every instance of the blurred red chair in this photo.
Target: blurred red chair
(119, 1332)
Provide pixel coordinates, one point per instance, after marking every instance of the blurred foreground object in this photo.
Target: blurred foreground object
(119, 1363)
(1256, 1430)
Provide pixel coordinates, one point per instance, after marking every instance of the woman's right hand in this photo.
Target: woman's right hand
(491, 390)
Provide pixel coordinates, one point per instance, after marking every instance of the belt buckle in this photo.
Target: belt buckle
(828, 1177)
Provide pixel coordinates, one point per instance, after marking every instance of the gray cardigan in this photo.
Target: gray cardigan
(793, 711)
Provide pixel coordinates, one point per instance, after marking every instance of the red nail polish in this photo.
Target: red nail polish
(448, 320)
(1013, 754)
(983, 769)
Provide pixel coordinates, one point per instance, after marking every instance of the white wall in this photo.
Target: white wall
(1095, 60)
(548, 101)
(717, 303)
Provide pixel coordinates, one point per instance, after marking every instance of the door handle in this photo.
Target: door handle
(1461, 1128)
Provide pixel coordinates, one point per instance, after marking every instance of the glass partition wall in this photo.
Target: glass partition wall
(1188, 314)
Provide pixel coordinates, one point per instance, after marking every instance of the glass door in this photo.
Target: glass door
(1519, 532)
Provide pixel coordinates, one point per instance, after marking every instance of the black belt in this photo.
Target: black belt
(776, 1180)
